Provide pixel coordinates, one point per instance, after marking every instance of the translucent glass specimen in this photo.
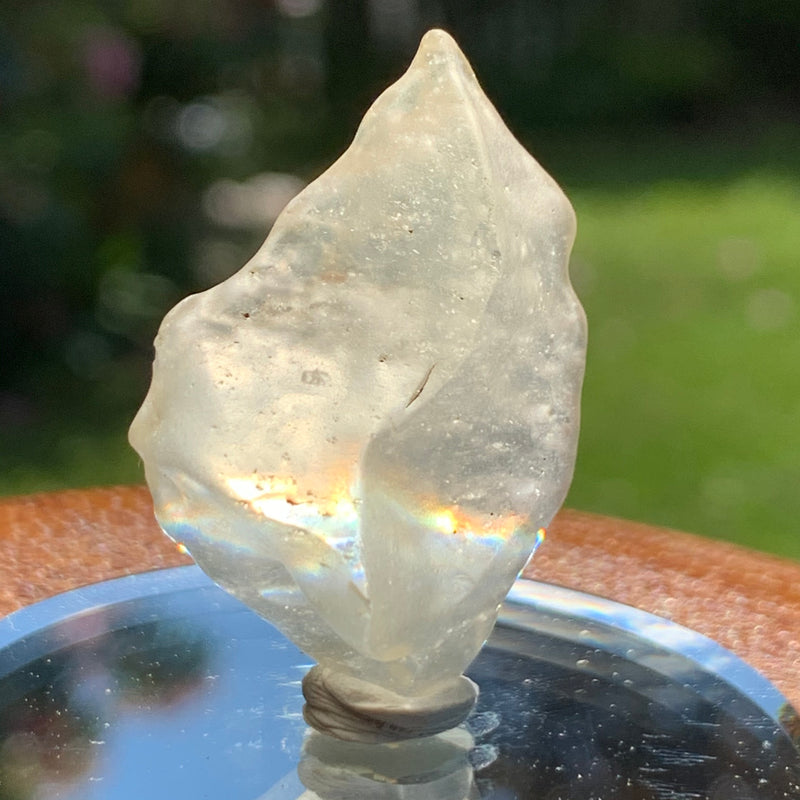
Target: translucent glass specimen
(363, 433)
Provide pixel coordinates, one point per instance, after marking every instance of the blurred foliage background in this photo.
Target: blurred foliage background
(146, 146)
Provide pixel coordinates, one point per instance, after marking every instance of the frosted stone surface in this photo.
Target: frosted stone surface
(363, 432)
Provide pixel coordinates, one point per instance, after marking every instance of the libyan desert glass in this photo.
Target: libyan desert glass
(161, 686)
(364, 433)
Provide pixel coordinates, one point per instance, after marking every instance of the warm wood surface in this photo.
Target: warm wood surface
(747, 601)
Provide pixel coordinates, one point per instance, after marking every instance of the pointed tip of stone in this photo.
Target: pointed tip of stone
(438, 39)
(439, 46)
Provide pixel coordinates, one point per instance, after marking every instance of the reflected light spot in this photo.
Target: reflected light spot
(255, 203)
(769, 309)
(201, 126)
(453, 521)
(445, 522)
(738, 258)
(280, 499)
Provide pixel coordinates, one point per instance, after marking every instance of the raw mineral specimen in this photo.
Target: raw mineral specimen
(363, 433)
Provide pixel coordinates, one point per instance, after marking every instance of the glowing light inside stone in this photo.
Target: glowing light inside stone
(445, 521)
(281, 499)
(455, 522)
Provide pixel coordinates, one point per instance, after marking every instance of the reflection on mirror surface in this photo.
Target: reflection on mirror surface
(176, 690)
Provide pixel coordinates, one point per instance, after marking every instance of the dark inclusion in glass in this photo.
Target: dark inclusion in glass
(186, 693)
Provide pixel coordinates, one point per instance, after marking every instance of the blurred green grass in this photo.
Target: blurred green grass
(686, 262)
(691, 412)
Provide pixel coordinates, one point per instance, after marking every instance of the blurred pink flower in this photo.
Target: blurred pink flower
(113, 63)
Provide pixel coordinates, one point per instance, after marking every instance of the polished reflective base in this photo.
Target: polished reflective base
(162, 686)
